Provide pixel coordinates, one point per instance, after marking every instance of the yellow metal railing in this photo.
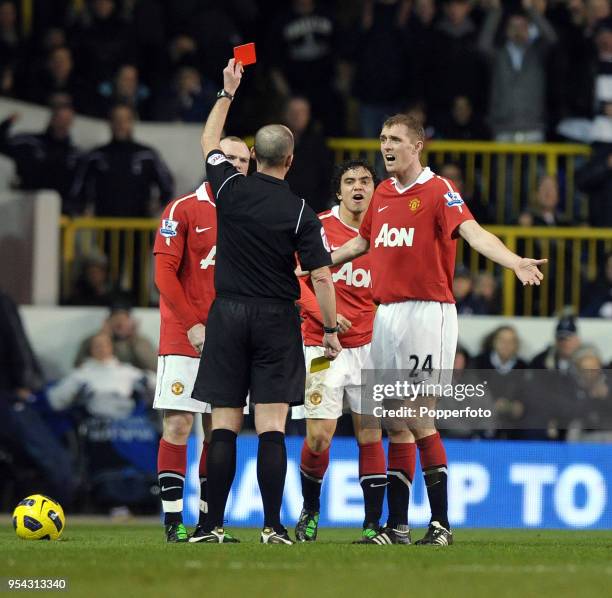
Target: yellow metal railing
(573, 254)
(501, 173)
(127, 243)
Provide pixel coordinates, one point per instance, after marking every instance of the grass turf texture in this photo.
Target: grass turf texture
(133, 560)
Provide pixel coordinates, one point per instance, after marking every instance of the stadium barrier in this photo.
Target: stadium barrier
(574, 255)
(503, 175)
(502, 484)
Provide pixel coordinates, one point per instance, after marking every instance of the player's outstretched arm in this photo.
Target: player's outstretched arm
(213, 129)
(487, 244)
(323, 286)
(350, 250)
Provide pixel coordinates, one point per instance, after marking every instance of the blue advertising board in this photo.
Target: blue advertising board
(491, 484)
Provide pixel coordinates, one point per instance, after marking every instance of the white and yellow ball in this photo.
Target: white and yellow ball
(39, 517)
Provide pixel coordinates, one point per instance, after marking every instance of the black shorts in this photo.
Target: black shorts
(251, 346)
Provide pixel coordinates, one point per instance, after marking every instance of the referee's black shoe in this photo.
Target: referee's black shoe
(269, 535)
(436, 535)
(217, 535)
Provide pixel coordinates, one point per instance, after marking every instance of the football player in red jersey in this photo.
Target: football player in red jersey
(329, 390)
(185, 247)
(410, 230)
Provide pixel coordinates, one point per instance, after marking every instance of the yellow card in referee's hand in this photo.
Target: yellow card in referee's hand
(318, 364)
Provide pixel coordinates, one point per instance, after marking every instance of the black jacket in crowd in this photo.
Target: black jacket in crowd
(42, 161)
(118, 180)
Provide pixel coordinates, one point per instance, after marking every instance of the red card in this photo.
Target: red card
(245, 54)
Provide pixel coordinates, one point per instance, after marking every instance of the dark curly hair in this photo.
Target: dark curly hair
(341, 168)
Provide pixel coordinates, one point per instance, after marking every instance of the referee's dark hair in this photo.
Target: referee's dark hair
(273, 145)
(341, 168)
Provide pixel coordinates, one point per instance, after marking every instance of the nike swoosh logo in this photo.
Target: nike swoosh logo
(202, 230)
(163, 488)
(42, 504)
(383, 208)
(378, 485)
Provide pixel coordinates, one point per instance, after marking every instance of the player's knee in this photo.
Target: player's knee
(368, 436)
(177, 427)
(400, 436)
(419, 433)
(319, 438)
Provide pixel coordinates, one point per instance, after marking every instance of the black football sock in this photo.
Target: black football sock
(221, 462)
(271, 472)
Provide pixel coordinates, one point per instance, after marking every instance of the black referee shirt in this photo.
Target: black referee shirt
(261, 225)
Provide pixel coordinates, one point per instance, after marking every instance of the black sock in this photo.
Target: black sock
(436, 482)
(311, 491)
(203, 501)
(271, 472)
(373, 487)
(171, 485)
(221, 464)
(398, 497)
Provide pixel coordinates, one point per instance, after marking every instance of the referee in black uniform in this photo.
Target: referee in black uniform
(253, 341)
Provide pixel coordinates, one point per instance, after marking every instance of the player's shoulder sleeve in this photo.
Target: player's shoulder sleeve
(312, 245)
(452, 209)
(221, 175)
(171, 236)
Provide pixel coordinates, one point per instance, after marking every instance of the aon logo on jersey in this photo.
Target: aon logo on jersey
(209, 260)
(394, 237)
(352, 278)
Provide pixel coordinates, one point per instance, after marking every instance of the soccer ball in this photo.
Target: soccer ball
(38, 517)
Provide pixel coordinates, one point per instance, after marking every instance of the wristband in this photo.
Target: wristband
(225, 94)
(332, 330)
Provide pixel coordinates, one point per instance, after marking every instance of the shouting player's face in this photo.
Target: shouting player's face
(237, 152)
(356, 189)
(400, 149)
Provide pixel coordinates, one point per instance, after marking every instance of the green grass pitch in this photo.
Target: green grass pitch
(133, 560)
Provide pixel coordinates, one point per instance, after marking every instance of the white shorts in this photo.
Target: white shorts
(176, 376)
(416, 335)
(330, 391)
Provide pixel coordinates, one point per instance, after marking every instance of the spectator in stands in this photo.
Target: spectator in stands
(125, 88)
(57, 76)
(312, 161)
(454, 66)
(114, 397)
(92, 286)
(454, 172)
(468, 304)
(301, 50)
(595, 179)
(506, 382)
(46, 160)
(597, 298)
(518, 85)
(425, 12)
(102, 41)
(24, 435)
(544, 210)
(462, 123)
(486, 290)
(103, 385)
(591, 395)
(558, 356)
(384, 25)
(12, 48)
(189, 99)
(118, 179)
(128, 345)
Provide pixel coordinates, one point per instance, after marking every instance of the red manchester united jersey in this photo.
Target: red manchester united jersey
(353, 289)
(188, 231)
(412, 233)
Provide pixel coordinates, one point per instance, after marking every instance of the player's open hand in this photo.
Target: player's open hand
(332, 346)
(232, 75)
(343, 324)
(196, 335)
(527, 271)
